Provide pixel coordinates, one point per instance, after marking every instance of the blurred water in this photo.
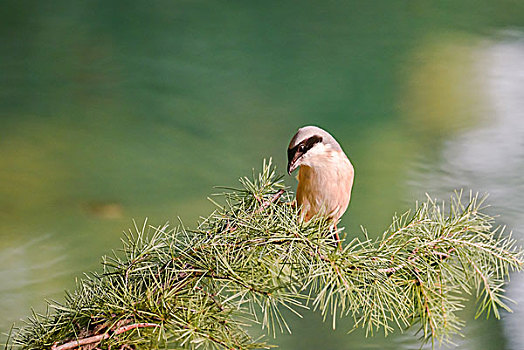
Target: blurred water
(121, 110)
(489, 158)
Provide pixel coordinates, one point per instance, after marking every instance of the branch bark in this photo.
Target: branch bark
(75, 344)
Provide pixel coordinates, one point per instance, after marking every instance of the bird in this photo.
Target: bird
(325, 177)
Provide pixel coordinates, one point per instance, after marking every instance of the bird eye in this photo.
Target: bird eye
(301, 148)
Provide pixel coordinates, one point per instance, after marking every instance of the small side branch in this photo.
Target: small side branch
(273, 199)
(75, 344)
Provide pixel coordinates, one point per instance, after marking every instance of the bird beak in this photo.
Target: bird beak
(292, 160)
(291, 166)
(293, 163)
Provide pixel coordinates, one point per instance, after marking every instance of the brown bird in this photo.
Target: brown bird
(325, 177)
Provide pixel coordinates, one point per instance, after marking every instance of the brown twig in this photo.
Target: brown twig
(413, 258)
(81, 342)
(392, 270)
(273, 199)
(98, 338)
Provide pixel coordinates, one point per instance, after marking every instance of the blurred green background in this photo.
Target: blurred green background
(114, 110)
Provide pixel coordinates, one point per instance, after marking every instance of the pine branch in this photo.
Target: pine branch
(252, 258)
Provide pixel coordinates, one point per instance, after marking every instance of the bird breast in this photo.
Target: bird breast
(324, 186)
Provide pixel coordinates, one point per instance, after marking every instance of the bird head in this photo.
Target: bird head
(311, 145)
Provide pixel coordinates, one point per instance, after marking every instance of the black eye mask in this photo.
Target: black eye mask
(293, 154)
